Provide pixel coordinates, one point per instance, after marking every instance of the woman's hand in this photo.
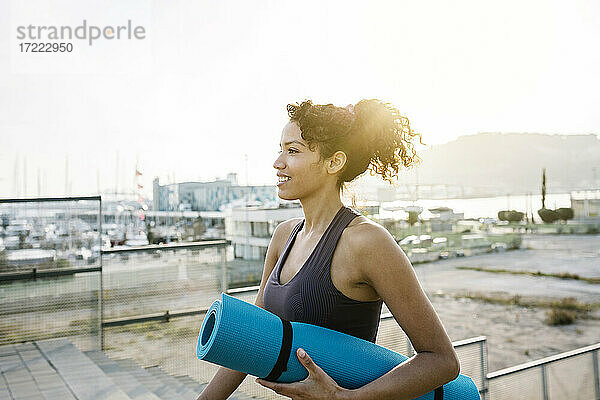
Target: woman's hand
(318, 385)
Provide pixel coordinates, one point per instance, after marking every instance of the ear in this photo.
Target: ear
(336, 162)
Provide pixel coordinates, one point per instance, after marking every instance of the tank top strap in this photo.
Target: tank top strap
(286, 247)
(328, 245)
(292, 237)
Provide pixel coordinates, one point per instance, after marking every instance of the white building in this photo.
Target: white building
(443, 218)
(250, 228)
(585, 204)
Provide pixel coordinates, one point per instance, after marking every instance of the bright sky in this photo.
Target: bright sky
(211, 80)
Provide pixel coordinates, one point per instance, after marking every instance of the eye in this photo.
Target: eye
(290, 150)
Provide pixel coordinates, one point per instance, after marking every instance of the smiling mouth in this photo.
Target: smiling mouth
(282, 179)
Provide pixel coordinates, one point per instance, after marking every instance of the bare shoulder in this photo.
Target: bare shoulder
(286, 226)
(282, 232)
(372, 250)
(364, 233)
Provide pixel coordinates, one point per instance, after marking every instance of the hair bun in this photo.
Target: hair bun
(387, 135)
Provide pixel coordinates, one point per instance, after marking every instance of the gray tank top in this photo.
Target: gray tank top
(310, 295)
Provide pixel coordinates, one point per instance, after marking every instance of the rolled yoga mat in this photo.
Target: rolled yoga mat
(246, 338)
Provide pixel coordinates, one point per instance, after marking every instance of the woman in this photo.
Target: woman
(334, 267)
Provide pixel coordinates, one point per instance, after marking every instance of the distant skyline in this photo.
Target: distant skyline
(210, 81)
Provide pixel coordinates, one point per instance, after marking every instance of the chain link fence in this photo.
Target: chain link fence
(155, 299)
(50, 270)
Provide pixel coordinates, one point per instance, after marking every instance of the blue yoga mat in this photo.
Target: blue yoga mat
(246, 338)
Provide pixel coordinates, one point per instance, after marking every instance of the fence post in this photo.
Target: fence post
(100, 283)
(224, 268)
(483, 375)
(544, 382)
(596, 374)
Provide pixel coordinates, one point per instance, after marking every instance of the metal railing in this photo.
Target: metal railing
(570, 375)
(472, 354)
(34, 273)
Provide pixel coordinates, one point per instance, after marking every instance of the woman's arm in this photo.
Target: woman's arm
(222, 384)
(385, 267)
(419, 375)
(226, 380)
(388, 270)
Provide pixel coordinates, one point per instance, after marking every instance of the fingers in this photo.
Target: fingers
(285, 389)
(315, 373)
(306, 361)
(292, 389)
(269, 384)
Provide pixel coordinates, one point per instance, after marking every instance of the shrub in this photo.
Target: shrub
(63, 263)
(565, 213)
(515, 242)
(510, 215)
(560, 316)
(548, 216)
(571, 303)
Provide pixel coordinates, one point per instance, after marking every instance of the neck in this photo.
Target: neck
(319, 209)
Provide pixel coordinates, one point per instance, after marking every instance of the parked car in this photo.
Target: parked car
(499, 246)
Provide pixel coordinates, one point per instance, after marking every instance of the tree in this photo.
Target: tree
(565, 213)
(543, 188)
(515, 216)
(510, 216)
(413, 217)
(548, 216)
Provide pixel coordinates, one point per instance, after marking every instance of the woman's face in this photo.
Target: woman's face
(300, 170)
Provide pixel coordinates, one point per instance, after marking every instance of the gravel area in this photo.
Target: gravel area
(518, 334)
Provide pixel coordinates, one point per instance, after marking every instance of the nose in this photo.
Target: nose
(278, 164)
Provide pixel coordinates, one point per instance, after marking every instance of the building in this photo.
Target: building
(250, 228)
(585, 204)
(443, 218)
(208, 196)
(165, 198)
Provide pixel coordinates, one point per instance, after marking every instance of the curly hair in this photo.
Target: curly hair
(372, 133)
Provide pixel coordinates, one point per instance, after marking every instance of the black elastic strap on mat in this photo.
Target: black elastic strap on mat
(284, 354)
(439, 393)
